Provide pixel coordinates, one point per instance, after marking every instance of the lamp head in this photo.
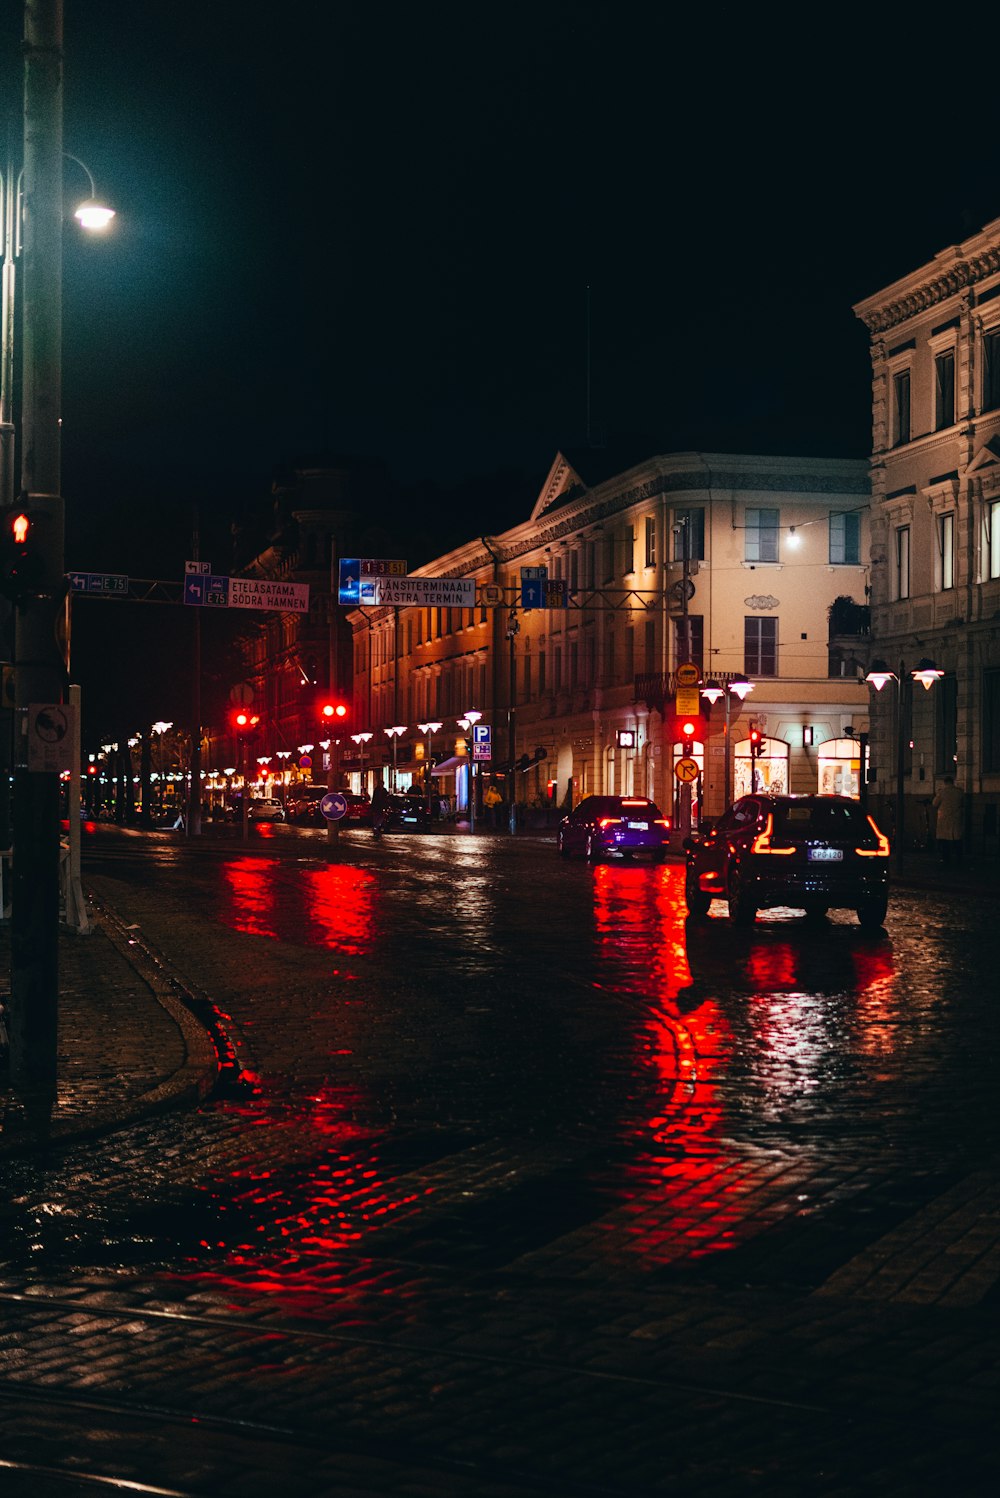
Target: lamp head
(712, 692)
(741, 688)
(927, 673)
(94, 215)
(879, 674)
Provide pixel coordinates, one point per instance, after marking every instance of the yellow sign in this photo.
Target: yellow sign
(686, 769)
(688, 675)
(687, 702)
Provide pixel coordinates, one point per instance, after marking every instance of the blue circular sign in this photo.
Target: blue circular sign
(333, 806)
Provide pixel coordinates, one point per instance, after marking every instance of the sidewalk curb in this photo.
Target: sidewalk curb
(187, 1086)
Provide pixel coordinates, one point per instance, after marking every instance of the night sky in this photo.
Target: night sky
(371, 230)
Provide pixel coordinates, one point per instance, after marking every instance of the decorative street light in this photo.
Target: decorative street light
(284, 755)
(393, 733)
(712, 691)
(877, 676)
(430, 729)
(467, 722)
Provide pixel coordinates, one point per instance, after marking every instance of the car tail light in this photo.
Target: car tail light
(609, 822)
(882, 851)
(762, 842)
(662, 822)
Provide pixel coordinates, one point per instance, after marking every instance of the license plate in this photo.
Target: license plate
(637, 826)
(825, 855)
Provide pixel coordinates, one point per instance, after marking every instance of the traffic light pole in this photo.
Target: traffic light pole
(40, 666)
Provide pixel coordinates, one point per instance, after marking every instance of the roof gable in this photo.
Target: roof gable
(562, 484)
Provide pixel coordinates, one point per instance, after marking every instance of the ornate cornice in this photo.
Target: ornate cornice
(937, 289)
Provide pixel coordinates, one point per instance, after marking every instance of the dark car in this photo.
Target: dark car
(407, 814)
(615, 827)
(810, 852)
(359, 810)
(302, 807)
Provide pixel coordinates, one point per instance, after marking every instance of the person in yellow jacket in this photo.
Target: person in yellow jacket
(493, 801)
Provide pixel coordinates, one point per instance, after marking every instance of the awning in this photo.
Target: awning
(449, 766)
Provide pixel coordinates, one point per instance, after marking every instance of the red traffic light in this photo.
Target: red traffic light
(243, 721)
(756, 742)
(21, 564)
(331, 710)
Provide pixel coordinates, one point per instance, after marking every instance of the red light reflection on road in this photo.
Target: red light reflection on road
(878, 1000)
(688, 1182)
(333, 904)
(337, 900)
(251, 885)
(297, 1221)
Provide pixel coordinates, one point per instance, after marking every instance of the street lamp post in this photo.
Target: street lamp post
(361, 739)
(467, 723)
(430, 729)
(712, 691)
(284, 755)
(878, 675)
(393, 733)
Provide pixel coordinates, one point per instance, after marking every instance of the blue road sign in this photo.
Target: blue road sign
(482, 733)
(333, 806)
(97, 582)
(217, 591)
(533, 592)
(206, 588)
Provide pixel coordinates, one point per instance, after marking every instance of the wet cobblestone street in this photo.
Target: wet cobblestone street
(528, 1186)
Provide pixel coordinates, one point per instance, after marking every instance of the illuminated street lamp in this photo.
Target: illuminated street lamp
(712, 691)
(430, 729)
(467, 722)
(879, 674)
(393, 733)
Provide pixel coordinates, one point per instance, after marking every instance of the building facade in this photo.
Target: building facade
(935, 348)
(738, 566)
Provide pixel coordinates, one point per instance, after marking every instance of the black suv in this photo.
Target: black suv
(811, 852)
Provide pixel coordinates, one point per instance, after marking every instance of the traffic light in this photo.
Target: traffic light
(244, 722)
(21, 562)
(333, 712)
(756, 743)
(687, 730)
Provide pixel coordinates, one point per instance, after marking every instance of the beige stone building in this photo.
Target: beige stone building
(743, 566)
(935, 344)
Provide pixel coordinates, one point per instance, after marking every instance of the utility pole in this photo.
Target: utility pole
(193, 820)
(41, 675)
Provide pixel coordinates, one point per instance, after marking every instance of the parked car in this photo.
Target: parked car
(810, 852)
(615, 827)
(407, 814)
(302, 805)
(265, 809)
(359, 810)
